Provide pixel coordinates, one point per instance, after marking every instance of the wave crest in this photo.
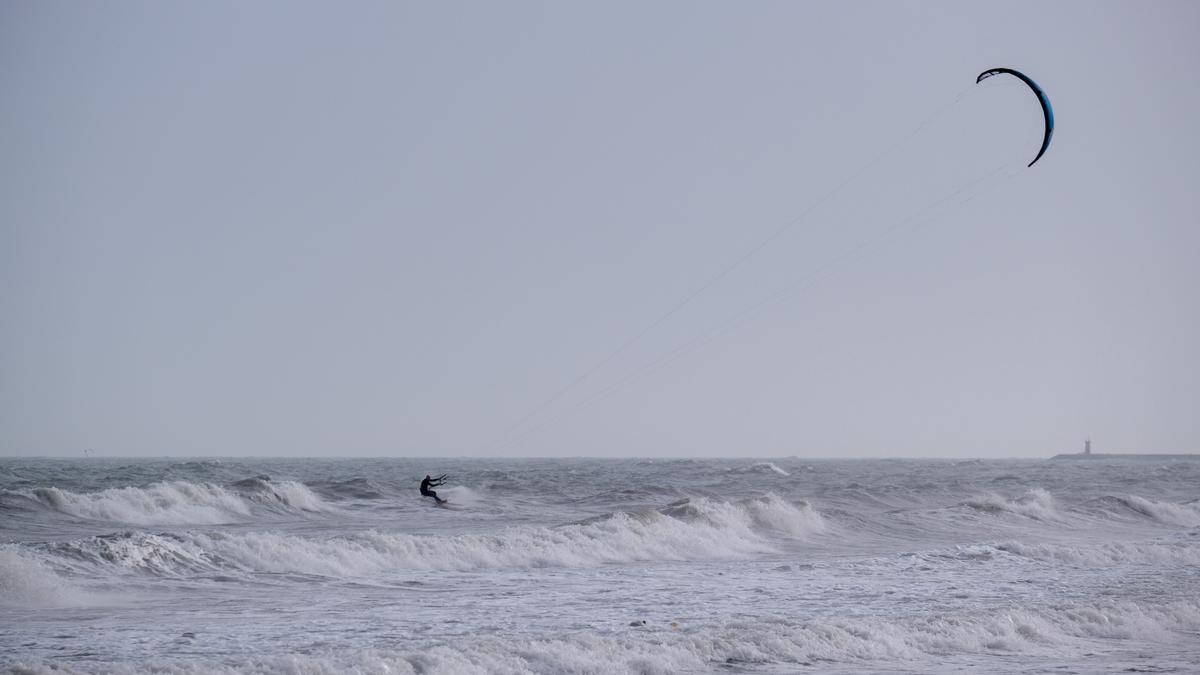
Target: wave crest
(1036, 504)
(138, 553)
(171, 502)
(286, 493)
(698, 529)
(27, 582)
(167, 503)
(852, 644)
(1107, 553)
(1168, 513)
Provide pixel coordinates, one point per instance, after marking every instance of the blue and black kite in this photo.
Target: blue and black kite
(1046, 110)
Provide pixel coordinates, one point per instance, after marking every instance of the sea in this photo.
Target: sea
(787, 565)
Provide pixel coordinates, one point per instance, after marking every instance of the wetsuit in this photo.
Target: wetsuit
(425, 485)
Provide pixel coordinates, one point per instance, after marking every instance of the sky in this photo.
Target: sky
(597, 229)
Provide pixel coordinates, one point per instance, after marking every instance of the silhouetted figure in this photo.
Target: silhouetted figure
(432, 482)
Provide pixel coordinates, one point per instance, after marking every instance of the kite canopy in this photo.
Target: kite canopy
(1047, 111)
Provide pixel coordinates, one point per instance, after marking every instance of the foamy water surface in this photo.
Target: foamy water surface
(591, 566)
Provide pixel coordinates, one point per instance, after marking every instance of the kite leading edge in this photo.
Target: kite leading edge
(1047, 111)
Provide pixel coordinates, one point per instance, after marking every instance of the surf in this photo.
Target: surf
(175, 502)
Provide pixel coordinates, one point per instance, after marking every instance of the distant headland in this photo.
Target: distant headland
(1088, 454)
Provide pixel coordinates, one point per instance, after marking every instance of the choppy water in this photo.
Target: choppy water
(592, 566)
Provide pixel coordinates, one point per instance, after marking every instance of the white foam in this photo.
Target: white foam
(137, 553)
(461, 494)
(167, 503)
(1037, 504)
(757, 644)
(27, 582)
(776, 515)
(695, 530)
(771, 466)
(1187, 515)
(1108, 553)
(177, 502)
(293, 494)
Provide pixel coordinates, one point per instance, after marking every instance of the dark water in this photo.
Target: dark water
(550, 566)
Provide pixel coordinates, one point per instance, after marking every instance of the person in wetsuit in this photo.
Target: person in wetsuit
(432, 482)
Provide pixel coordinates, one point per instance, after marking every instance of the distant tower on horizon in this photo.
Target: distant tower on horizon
(1087, 446)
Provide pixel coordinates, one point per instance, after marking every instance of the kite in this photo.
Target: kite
(1047, 111)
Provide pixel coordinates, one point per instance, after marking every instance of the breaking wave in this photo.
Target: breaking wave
(136, 552)
(170, 502)
(1036, 504)
(27, 582)
(1107, 553)
(763, 467)
(700, 529)
(1167, 513)
(287, 493)
(761, 643)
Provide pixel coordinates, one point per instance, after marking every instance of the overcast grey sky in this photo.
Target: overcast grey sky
(479, 228)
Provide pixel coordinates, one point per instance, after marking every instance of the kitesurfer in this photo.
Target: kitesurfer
(432, 482)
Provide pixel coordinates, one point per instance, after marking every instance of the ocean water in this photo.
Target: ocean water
(599, 566)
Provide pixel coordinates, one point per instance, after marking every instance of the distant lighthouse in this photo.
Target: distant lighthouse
(1087, 446)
